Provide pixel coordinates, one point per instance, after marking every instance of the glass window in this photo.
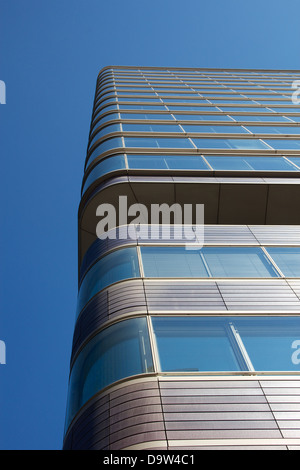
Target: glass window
(161, 162)
(193, 108)
(116, 266)
(226, 344)
(192, 344)
(159, 261)
(245, 109)
(113, 163)
(250, 163)
(214, 129)
(146, 107)
(240, 262)
(105, 109)
(230, 143)
(269, 118)
(105, 130)
(159, 142)
(152, 127)
(108, 117)
(295, 160)
(283, 144)
(108, 144)
(149, 116)
(287, 259)
(202, 117)
(119, 351)
(269, 342)
(274, 130)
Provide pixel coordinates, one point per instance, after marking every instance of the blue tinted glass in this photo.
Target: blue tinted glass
(149, 116)
(287, 259)
(271, 342)
(214, 129)
(292, 109)
(230, 143)
(193, 108)
(152, 127)
(161, 261)
(227, 344)
(115, 162)
(129, 98)
(159, 142)
(108, 144)
(295, 160)
(119, 351)
(202, 117)
(241, 262)
(143, 106)
(273, 130)
(167, 162)
(194, 344)
(118, 265)
(294, 118)
(250, 163)
(283, 144)
(269, 118)
(105, 130)
(245, 109)
(105, 109)
(184, 100)
(108, 117)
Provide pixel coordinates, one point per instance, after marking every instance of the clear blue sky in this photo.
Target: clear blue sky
(51, 53)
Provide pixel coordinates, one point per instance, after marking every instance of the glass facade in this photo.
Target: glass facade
(159, 309)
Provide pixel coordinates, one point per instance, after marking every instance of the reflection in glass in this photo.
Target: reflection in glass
(119, 351)
(116, 266)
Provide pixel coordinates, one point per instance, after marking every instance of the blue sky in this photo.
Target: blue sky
(51, 53)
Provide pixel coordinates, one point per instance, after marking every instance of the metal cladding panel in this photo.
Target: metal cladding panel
(205, 413)
(126, 297)
(272, 295)
(183, 295)
(276, 234)
(284, 400)
(231, 411)
(134, 416)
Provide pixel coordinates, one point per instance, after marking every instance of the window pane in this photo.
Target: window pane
(202, 117)
(230, 143)
(250, 163)
(119, 351)
(152, 127)
(149, 116)
(261, 118)
(116, 266)
(283, 144)
(194, 344)
(214, 129)
(274, 130)
(174, 162)
(238, 262)
(105, 130)
(105, 166)
(295, 160)
(172, 262)
(108, 144)
(269, 342)
(151, 142)
(287, 259)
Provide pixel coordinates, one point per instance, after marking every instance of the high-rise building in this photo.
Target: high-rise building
(189, 339)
